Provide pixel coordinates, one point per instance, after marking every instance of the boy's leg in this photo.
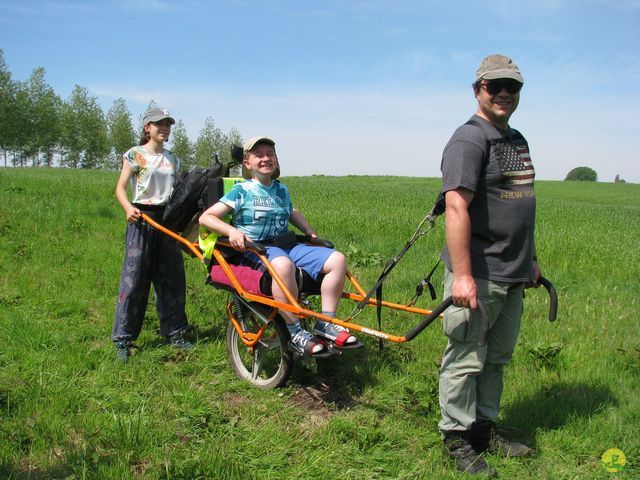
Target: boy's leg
(321, 260)
(334, 270)
(286, 270)
(333, 265)
(302, 339)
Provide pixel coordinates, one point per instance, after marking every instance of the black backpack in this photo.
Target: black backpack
(190, 198)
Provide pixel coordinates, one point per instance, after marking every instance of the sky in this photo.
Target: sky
(362, 87)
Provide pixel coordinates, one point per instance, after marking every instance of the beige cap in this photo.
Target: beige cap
(498, 66)
(157, 115)
(248, 146)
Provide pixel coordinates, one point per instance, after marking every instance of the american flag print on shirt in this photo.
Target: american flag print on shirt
(515, 164)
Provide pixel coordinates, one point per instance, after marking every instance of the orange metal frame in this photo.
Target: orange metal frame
(249, 338)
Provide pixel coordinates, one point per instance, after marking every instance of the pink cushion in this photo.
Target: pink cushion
(247, 276)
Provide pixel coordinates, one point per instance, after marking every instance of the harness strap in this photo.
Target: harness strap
(377, 288)
(379, 313)
(426, 282)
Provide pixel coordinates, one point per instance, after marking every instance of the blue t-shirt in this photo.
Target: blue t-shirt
(259, 212)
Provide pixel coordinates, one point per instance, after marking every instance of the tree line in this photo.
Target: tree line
(38, 128)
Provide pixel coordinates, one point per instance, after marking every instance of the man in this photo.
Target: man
(487, 179)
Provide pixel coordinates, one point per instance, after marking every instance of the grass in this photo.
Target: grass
(68, 411)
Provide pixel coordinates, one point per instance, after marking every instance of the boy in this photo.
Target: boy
(261, 209)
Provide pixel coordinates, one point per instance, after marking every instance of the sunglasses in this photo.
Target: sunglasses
(494, 87)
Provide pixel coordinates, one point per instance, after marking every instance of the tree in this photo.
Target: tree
(43, 118)
(210, 140)
(84, 131)
(583, 174)
(121, 136)
(21, 126)
(181, 145)
(7, 109)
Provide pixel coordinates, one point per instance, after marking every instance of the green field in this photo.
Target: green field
(68, 411)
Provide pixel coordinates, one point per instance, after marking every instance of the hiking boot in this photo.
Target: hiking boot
(122, 350)
(177, 340)
(458, 449)
(485, 438)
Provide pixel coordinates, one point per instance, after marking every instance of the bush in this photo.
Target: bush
(582, 174)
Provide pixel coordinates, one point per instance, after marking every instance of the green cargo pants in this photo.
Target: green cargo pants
(471, 376)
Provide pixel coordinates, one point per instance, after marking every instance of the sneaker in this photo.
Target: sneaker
(336, 333)
(485, 438)
(122, 350)
(177, 340)
(307, 343)
(458, 449)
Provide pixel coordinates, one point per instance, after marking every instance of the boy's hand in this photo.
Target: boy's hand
(237, 239)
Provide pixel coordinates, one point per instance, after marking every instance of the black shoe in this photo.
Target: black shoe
(122, 350)
(178, 341)
(457, 448)
(485, 438)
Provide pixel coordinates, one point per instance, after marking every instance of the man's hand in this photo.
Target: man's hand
(537, 273)
(464, 291)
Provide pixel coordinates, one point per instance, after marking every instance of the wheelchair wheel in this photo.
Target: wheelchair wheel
(270, 363)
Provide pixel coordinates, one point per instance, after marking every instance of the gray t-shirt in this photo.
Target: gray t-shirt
(503, 208)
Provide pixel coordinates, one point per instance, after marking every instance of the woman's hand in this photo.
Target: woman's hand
(133, 214)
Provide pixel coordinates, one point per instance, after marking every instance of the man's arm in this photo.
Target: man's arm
(458, 235)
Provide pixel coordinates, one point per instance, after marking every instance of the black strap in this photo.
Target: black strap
(426, 282)
(149, 208)
(215, 190)
(385, 272)
(492, 135)
(379, 313)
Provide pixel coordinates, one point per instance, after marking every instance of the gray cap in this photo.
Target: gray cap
(248, 146)
(498, 66)
(156, 115)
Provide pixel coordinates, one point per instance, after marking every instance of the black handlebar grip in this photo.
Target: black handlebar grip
(426, 321)
(258, 247)
(553, 298)
(314, 241)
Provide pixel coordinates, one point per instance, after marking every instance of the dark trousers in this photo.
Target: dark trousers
(151, 257)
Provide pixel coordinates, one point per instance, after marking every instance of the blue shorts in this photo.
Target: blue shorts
(309, 258)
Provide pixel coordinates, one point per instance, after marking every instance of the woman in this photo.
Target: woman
(150, 256)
